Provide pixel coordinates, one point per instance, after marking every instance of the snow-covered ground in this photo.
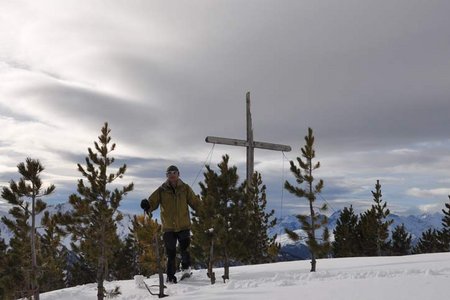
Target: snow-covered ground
(414, 277)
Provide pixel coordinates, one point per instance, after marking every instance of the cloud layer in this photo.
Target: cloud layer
(371, 78)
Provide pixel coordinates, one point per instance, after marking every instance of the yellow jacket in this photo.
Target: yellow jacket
(174, 205)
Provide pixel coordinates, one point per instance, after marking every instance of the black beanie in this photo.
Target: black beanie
(172, 168)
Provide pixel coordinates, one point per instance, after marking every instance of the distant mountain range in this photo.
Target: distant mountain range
(122, 227)
(414, 224)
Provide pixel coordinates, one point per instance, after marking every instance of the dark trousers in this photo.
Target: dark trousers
(170, 243)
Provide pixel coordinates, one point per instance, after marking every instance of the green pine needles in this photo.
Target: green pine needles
(95, 211)
(230, 225)
(25, 243)
(308, 188)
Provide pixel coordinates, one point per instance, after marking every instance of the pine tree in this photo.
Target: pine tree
(204, 220)
(367, 231)
(80, 270)
(310, 224)
(16, 279)
(345, 234)
(381, 213)
(401, 241)
(54, 254)
(24, 243)
(429, 242)
(95, 210)
(10, 274)
(213, 223)
(256, 222)
(229, 233)
(231, 223)
(3, 268)
(445, 233)
(127, 266)
(373, 227)
(138, 254)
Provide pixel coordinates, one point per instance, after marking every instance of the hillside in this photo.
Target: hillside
(415, 277)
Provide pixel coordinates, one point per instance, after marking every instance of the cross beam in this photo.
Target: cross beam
(244, 143)
(250, 144)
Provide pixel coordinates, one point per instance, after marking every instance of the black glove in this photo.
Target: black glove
(145, 205)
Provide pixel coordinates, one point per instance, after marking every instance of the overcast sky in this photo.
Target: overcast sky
(372, 78)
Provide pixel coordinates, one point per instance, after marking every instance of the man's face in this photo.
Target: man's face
(172, 176)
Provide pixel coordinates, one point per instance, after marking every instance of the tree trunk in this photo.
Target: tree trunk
(313, 229)
(226, 267)
(211, 274)
(101, 266)
(378, 241)
(34, 282)
(313, 262)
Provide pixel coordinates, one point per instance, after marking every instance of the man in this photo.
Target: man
(174, 196)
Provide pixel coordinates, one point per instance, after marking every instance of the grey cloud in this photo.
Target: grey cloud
(7, 112)
(7, 176)
(352, 87)
(369, 77)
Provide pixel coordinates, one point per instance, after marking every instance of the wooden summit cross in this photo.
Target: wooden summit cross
(249, 143)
